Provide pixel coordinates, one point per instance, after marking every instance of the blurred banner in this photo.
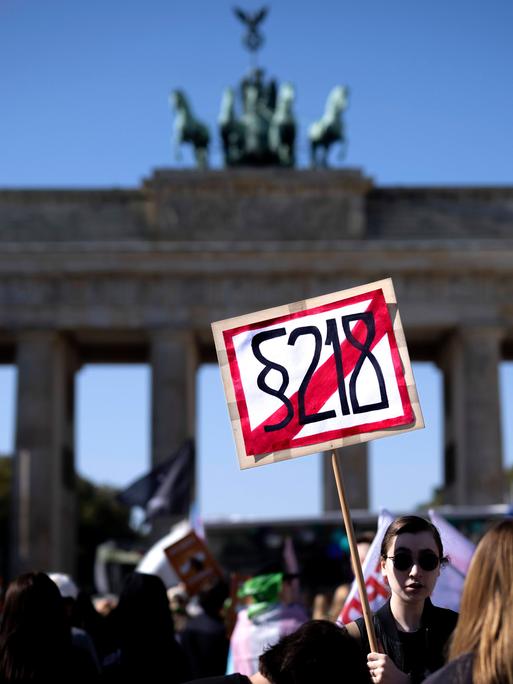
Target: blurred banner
(377, 589)
(460, 550)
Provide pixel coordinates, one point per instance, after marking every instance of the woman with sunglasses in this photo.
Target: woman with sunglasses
(411, 632)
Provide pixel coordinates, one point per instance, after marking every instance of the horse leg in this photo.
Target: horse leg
(313, 155)
(324, 156)
(201, 154)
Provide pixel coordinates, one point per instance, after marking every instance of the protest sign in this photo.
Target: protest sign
(193, 563)
(317, 375)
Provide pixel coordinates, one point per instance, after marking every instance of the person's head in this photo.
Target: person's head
(363, 544)
(144, 630)
(261, 592)
(485, 625)
(33, 602)
(212, 599)
(143, 626)
(34, 634)
(319, 651)
(411, 557)
(143, 606)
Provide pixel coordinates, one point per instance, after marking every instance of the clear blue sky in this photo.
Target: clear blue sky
(85, 84)
(85, 104)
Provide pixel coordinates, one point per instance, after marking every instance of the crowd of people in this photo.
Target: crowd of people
(51, 631)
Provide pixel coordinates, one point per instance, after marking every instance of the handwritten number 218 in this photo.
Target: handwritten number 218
(332, 338)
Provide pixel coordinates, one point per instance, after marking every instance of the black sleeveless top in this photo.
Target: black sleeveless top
(418, 653)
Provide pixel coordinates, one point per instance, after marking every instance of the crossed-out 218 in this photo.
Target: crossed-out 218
(318, 374)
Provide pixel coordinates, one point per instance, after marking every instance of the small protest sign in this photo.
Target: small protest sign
(317, 374)
(193, 563)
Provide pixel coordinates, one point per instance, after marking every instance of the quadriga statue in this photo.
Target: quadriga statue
(328, 130)
(264, 134)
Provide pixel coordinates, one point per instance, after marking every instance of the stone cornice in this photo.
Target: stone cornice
(59, 259)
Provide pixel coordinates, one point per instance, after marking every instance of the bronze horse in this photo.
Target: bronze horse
(330, 128)
(187, 129)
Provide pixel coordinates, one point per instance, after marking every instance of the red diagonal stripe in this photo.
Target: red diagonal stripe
(324, 380)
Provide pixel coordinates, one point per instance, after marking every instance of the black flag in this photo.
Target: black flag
(167, 489)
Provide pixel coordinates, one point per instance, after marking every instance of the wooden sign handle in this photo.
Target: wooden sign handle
(357, 566)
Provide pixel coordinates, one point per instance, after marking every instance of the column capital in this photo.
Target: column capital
(490, 331)
(469, 335)
(171, 334)
(37, 335)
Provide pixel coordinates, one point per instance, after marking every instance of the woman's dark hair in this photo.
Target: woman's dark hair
(143, 606)
(35, 640)
(411, 524)
(145, 631)
(319, 651)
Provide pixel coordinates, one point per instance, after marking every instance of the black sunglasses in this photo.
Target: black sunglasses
(403, 560)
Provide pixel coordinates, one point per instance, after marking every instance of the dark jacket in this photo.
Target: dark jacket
(206, 645)
(223, 679)
(436, 626)
(458, 671)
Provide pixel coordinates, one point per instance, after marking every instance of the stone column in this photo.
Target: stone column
(44, 511)
(174, 361)
(473, 444)
(354, 466)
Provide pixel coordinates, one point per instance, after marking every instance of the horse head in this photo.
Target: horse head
(178, 100)
(337, 100)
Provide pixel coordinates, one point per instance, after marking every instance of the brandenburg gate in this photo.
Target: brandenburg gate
(138, 275)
